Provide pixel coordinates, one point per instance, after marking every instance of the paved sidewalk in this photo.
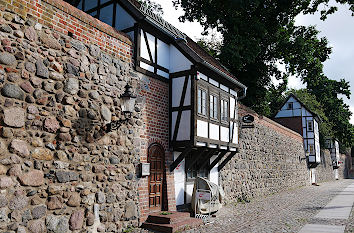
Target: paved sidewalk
(288, 211)
(339, 208)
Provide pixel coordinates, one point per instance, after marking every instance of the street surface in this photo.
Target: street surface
(324, 208)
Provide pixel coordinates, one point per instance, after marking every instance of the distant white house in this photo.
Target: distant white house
(333, 147)
(296, 116)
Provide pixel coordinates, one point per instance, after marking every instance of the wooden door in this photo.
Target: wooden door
(156, 159)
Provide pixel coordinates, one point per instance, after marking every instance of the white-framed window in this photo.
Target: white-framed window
(202, 102)
(213, 106)
(309, 125)
(311, 149)
(290, 106)
(224, 110)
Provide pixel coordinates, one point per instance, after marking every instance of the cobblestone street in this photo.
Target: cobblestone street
(282, 212)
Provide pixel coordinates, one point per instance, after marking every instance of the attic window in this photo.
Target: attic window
(290, 106)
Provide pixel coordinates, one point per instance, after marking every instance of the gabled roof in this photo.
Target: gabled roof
(184, 42)
(302, 104)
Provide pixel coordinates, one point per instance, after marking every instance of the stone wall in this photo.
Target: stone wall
(325, 172)
(59, 170)
(271, 159)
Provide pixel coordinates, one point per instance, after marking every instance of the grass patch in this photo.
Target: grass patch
(165, 213)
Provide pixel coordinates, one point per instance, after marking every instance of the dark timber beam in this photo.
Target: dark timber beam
(226, 160)
(222, 153)
(180, 158)
(195, 158)
(207, 157)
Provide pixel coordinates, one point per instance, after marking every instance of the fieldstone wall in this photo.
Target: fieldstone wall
(59, 170)
(325, 172)
(271, 159)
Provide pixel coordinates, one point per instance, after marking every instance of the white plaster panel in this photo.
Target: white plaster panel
(163, 74)
(177, 88)
(235, 135)
(173, 123)
(144, 53)
(202, 76)
(214, 173)
(225, 134)
(151, 40)
(163, 54)
(187, 99)
(179, 178)
(284, 113)
(146, 66)
(225, 88)
(213, 82)
(214, 132)
(184, 126)
(310, 135)
(178, 62)
(189, 192)
(296, 105)
(232, 107)
(312, 158)
(202, 128)
(297, 112)
(234, 93)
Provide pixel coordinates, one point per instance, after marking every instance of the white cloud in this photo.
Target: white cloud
(351, 108)
(295, 83)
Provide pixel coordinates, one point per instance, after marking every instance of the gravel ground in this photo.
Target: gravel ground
(287, 211)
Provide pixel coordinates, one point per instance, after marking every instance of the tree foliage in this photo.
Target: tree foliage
(260, 34)
(153, 6)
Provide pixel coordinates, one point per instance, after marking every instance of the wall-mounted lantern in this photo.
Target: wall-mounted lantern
(127, 106)
(128, 101)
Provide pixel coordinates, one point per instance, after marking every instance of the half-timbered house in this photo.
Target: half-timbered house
(203, 97)
(333, 147)
(296, 116)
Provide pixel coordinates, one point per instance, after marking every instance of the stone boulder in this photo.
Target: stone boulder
(14, 117)
(32, 178)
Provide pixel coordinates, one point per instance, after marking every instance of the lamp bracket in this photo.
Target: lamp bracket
(114, 125)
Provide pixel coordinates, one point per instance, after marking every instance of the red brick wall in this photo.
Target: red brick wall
(63, 18)
(155, 94)
(294, 123)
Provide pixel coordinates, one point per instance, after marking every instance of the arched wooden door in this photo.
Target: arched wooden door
(156, 158)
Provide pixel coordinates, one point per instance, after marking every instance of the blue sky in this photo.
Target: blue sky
(336, 28)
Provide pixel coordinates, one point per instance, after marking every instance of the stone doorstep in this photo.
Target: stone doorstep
(176, 221)
(173, 218)
(171, 228)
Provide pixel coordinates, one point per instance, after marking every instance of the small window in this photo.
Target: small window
(290, 106)
(309, 125)
(224, 110)
(311, 149)
(202, 102)
(195, 170)
(213, 107)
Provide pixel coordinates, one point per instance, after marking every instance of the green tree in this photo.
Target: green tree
(153, 6)
(258, 34)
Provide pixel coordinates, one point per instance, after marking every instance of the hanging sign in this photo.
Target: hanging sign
(248, 119)
(247, 122)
